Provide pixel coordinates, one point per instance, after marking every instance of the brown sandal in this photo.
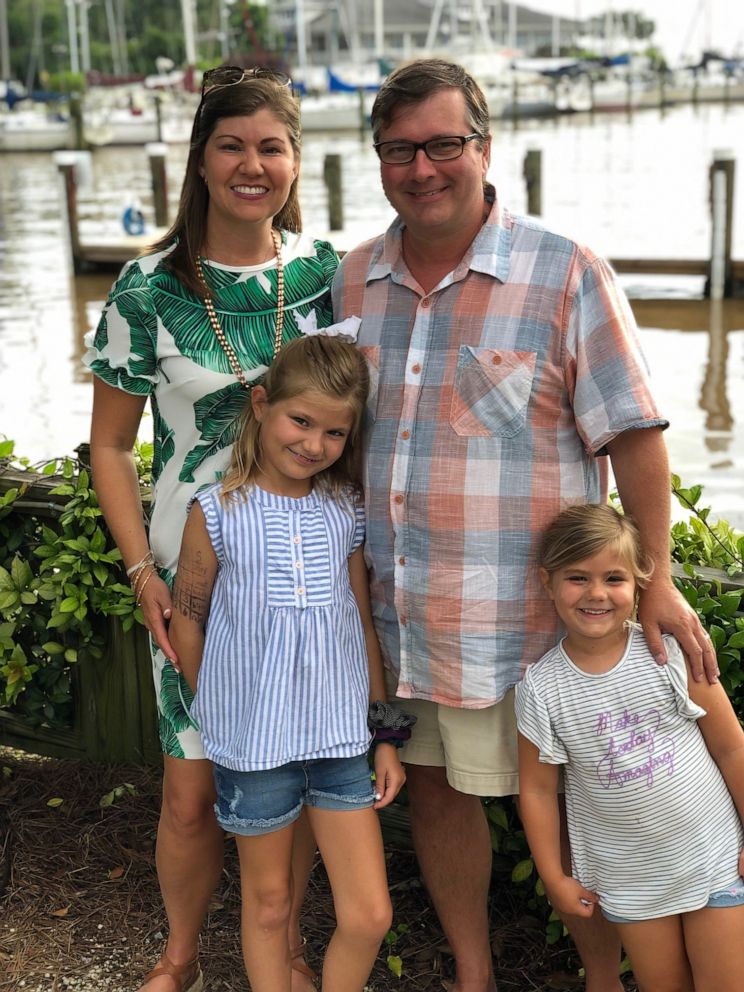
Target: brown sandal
(186, 977)
(300, 966)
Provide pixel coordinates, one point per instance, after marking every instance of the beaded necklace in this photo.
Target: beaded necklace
(217, 327)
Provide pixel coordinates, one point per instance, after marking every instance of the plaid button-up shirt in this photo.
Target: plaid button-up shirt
(492, 397)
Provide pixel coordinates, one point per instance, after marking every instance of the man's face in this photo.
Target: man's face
(436, 199)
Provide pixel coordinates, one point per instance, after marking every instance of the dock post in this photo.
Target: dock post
(363, 122)
(332, 178)
(156, 152)
(532, 172)
(515, 102)
(65, 162)
(159, 115)
(720, 282)
(78, 124)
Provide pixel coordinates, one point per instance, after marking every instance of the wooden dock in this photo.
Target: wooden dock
(724, 276)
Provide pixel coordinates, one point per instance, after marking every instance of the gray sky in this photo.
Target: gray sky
(678, 22)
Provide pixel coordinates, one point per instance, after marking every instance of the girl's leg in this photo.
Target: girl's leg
(713, 938)
(188, 857)
(656, 949)
(303, 856)
(350, 843)
(266, 891)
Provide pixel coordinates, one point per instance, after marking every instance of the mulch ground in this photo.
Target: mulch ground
(80, 909)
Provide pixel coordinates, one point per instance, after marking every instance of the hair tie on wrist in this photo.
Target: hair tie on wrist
(389, 724)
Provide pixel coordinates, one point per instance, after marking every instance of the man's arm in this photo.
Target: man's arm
(641, 468)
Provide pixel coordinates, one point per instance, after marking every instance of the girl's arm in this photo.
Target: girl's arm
(724, 737)
(538, 809)
(389, 773)
(192, 594)
(113, 431)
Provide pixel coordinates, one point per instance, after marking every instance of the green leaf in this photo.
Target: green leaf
(53, 647)
(69, 605)
(395, 964)
(523, 870)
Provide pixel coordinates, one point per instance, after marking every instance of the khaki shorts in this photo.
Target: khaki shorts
(478, 748)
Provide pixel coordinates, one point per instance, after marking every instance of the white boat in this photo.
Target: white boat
(336, 111)
(33, 131)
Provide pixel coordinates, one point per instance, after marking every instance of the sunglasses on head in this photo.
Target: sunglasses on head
(230, 75)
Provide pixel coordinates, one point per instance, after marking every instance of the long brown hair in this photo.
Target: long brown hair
(190, 226)
(319, 364)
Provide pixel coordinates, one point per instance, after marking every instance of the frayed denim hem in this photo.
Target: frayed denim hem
(234, 824)
(328, 800)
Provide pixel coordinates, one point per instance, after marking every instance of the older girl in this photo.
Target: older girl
(189, 325)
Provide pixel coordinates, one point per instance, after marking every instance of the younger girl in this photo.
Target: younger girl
(273, 629)
(654, 769)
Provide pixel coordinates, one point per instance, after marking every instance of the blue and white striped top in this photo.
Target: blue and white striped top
(284, 673)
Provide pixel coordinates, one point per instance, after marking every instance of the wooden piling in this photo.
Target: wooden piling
(77, 118)
(156, 152)
(720, 273)
(66, 165)
(532, 172)
(363, 122)
(332, 178)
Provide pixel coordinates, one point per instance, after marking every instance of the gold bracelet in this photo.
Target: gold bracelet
(138, 595)
(142, 572)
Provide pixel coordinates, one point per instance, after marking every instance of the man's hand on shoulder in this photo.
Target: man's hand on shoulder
(663, 610)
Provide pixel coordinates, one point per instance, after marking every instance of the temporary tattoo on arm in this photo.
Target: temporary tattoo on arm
(193, 589)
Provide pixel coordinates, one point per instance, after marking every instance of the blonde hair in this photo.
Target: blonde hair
(583, 531)
(316, 364)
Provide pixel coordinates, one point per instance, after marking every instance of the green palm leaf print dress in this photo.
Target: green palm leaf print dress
(154, 339)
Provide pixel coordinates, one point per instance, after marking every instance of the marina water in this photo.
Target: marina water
(626, 186)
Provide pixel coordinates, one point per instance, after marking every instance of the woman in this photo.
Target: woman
(191, 324)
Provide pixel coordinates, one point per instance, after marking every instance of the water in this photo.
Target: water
(627, 187)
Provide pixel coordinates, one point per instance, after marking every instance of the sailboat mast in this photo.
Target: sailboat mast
(4, 41)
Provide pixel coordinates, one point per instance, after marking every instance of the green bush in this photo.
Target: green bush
(60, 577)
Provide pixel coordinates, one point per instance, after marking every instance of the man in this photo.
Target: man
(505, 368)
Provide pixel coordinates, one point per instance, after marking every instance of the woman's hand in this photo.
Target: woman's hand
(157, 609)
(389, 774)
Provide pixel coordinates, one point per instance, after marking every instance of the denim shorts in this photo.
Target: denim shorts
(732, 895)
(253, 803)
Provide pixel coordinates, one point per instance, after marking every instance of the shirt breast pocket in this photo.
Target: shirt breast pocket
(491, 391)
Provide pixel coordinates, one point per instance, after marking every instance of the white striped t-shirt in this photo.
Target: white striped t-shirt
(284, 673)
(653, 828)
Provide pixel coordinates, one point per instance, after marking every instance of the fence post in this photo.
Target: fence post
(532, 172)
(332, 177)
(722, 171)
(156, 152)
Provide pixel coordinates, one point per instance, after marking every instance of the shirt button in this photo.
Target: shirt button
(496, 360)
(416, 368)
(401, 560)
(298, 564)
(301, 591)
(398, 499)
(297, 539)
(405, 435)
(426, 303)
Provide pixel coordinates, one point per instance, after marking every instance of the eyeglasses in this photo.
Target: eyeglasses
(229, 75)
(436, 149)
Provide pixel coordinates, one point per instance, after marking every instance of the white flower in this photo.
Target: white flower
(346, 329)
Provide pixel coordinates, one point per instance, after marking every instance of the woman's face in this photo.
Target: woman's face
(249, 166)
